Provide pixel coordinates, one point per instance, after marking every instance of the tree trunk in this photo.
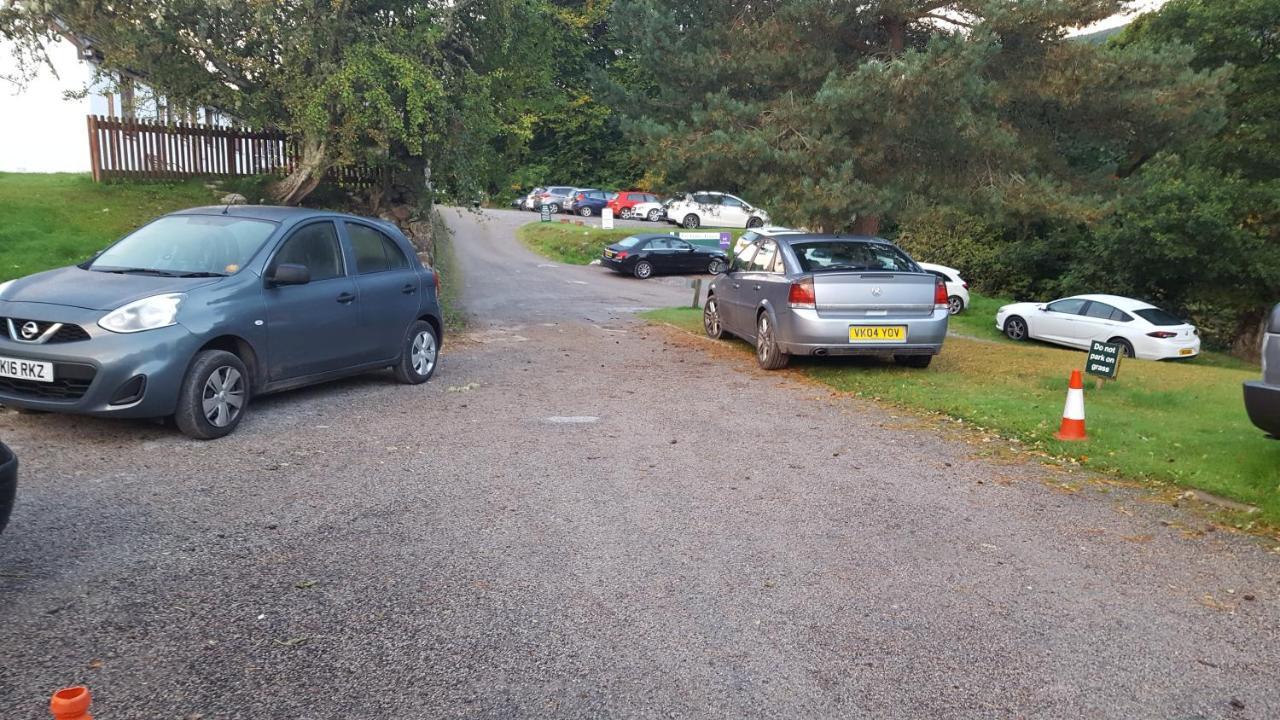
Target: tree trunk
(866, 225)
(1248, 342)
(896, 29)
(306, 175)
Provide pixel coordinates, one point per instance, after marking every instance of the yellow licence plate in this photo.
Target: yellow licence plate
(877, 333)
(608, 253)
(1184, 351)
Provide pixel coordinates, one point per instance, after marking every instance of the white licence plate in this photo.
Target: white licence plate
(26, 369)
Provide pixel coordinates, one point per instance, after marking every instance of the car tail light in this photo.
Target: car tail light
(964, 285)
(940, 293)
(1162, 334)
(802, 295)
(622, 255)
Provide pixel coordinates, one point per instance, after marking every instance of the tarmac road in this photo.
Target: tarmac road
(581, 516)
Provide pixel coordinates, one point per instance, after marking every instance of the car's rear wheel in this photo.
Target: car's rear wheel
(643, 270)
(1126, 347)
(716, 266)
(691, 221)
(214, 396)
(584, 211)
(754, 222)
(1015, 328)
(711, 319)
(553, 208)
(654, 215)
(768, 354)
(913, 361)
(421, 352)
(955, 305)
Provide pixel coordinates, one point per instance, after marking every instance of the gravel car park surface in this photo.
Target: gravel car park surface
(583, 516)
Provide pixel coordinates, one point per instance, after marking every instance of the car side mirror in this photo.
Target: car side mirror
(1042, 308)
(289, 274)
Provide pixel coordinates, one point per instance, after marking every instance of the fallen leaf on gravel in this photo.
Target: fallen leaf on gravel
(96, 664)
(291, 642)
(304, 584)
(1213, 603)
(1137, 538)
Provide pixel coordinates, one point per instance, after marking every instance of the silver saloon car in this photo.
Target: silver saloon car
(806, 294)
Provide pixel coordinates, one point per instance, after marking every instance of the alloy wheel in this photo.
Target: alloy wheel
(711, 318)
(1015, 329)
(223, 397)
(955, 305)
(423, 353)
(764, 339)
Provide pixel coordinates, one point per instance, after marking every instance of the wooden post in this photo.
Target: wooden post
(95, 152)
(697, 292)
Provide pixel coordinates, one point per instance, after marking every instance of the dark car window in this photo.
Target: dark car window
(1121, 316)
(763, 261)
(704, 198)
(627, 242)
(730, 201)
(838, 255)
(375, 252)
(316, 246)
(659, 244)
(679, 245)
(1070, 306)
(1156, 316)
(1102, 311)
(181, 244)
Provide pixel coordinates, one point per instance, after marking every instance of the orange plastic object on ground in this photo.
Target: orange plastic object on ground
(71, 703)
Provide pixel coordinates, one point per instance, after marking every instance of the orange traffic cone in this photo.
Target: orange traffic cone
(1072, 427)
(71, 703)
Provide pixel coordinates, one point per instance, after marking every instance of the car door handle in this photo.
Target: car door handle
(757, 287)
(737, 285)
(409, 289)
(346, 298)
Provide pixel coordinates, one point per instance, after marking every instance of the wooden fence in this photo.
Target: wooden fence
(149, 150)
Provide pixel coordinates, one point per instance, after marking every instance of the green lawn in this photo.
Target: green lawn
(1167, 423)
(47, 221)
(579, 245)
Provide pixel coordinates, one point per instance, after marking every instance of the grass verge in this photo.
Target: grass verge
(1165, 423)
(578, 244)
(57, 219)
(446, 262)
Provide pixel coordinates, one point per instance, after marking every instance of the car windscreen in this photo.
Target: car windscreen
(629, 241)
(187, 245)
(1156, 316)
(840, 255)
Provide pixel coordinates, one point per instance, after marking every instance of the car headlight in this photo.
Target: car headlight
(150, 313)
(4, 286)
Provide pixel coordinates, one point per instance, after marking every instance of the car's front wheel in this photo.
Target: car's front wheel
(654, 215)
(584, 211)
(768, 354)
(955, 305)
(214, 396)
(553, 208)
(711, 319)
(1015, 328)
(421, 351)
(716, 266)
(644, 270)
(754, 222)
(691, 222)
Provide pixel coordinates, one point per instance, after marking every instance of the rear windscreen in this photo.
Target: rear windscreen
(843, 255)
(629, 242)
(1156, 316)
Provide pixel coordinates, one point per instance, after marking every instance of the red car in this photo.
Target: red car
(627, 199)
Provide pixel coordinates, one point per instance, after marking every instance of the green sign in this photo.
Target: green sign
(1104, 360)
(545, 212)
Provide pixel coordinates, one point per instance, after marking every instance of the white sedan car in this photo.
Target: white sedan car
(957, 288)
(714, 209)
(1140, 329)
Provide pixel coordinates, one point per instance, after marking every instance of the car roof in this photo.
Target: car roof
(1118, 301)
(776, 230)
(807, 236)
(272, 213)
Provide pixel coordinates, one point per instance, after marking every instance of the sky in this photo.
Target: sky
(41, 131)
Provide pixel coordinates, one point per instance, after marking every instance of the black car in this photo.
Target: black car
(644, 255)
(8, 483)
(1262, 398)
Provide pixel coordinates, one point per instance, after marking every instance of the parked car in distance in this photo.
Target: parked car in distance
(1140, 329)
(650, 254)
(588, 202)
(957, 288)
(809, 294)
(196, 313)
(555, 198)
(8, 483)
(1262, 398)
(714, 209)
(529, 201)
(622, 204)
(651, 211)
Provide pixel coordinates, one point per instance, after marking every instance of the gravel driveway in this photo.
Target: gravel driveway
(582, 517)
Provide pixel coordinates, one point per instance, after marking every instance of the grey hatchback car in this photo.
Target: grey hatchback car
(808, 294)
(195, 313)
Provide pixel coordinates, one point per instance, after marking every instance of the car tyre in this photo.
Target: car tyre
(768, 354)
(691, 222)
(584, 211)
(1015, 328)
(1126, 347)
(643, 270)
(711, 322)
(207, 401)
(716, 266)
(754, 222)
(654, 215)
(553, 208)
(420, 356)
(955, 305)
(913, 361)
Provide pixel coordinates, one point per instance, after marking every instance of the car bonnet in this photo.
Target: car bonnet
(91, 290)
